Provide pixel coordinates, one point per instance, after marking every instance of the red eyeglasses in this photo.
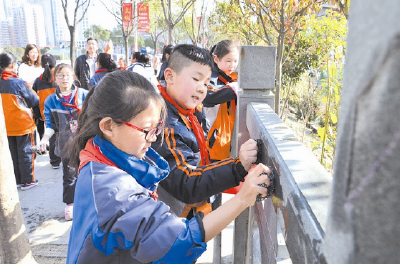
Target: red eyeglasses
(148, 133)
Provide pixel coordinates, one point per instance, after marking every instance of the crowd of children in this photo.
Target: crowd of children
(141, 166)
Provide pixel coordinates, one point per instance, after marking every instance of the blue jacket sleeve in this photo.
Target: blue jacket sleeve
(47, 113)
(190, 241)
(129, 219)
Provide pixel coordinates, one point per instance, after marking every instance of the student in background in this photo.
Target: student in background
(61, 111)
(18, 99)
(122, 64)
(193, 179)
(155, 64)
(105, 65)
(166, 53)
(134, 58)
(139, 66)
(44, 86)
(220, 102)
(118, 218)
(31, 67)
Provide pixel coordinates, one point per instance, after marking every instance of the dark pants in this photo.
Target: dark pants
(54, 159)
(23, 158)
(40, 127)
(69, 180)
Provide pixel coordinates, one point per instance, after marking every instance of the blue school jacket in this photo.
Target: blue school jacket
(117, 221)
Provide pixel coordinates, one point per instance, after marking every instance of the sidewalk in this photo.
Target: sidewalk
(43, 212)
(47, 230)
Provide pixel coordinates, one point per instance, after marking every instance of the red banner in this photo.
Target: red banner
(127, 20)
(143, 17)
(126, 12)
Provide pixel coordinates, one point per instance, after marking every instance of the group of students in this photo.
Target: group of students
(147, 164)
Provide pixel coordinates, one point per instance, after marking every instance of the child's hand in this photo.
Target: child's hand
(44, 142)
(234, 86)
(250, 188)
(248, 153)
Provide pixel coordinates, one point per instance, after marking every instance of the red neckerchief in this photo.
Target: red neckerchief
(100, 70)
(197, 129)
(92, 153)
(75, 105)
(7, 75)
(227, 78)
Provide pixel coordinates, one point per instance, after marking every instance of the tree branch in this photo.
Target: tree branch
(187, 6)
(84, 13)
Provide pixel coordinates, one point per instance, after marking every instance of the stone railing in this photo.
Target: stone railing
(298, 211)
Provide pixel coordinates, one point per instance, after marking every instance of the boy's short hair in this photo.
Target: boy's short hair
(185, 54)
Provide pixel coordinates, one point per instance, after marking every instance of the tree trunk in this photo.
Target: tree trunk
(170, 28)
(14, 245)
(126, 40)
(278, 80)
(72, 45)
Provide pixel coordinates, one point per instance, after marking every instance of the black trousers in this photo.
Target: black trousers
(23, 158)
(69, 180)
(54, 159)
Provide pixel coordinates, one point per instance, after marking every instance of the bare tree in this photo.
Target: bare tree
(82, 5)
(157, 25)
(115, 9)
(169, 16)
(14, 246)
(195, 27)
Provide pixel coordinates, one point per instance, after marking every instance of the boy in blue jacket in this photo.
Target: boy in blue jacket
(193, 180)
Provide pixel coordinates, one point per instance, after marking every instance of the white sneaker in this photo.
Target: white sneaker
(28, 186)
(69, 211)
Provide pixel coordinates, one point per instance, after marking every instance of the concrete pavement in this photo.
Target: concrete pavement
(43, 212)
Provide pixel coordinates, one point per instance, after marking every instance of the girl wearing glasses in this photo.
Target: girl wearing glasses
(117, 217)
(61, 111)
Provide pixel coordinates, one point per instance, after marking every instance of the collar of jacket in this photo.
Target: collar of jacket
(59, 95)
(148, 171)
(87, 55)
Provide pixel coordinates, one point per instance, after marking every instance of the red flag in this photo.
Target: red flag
(109, 47)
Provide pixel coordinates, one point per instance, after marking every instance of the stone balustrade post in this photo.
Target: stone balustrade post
(256, 82)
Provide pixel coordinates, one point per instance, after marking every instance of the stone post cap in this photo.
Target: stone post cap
(257, 67)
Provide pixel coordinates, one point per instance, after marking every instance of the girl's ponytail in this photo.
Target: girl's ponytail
(48, 63)
(106, 61)
(212, 50)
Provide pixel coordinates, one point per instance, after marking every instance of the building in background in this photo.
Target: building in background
(22, 23)
(41, 22)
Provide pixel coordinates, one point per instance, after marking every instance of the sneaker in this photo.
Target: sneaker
(69, 211)
(19, 186)
(28, 186)
(55, 166)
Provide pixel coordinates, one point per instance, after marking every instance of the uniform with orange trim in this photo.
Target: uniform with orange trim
(220, 109)
(18, 99)
(192, 180)
(189, 186)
